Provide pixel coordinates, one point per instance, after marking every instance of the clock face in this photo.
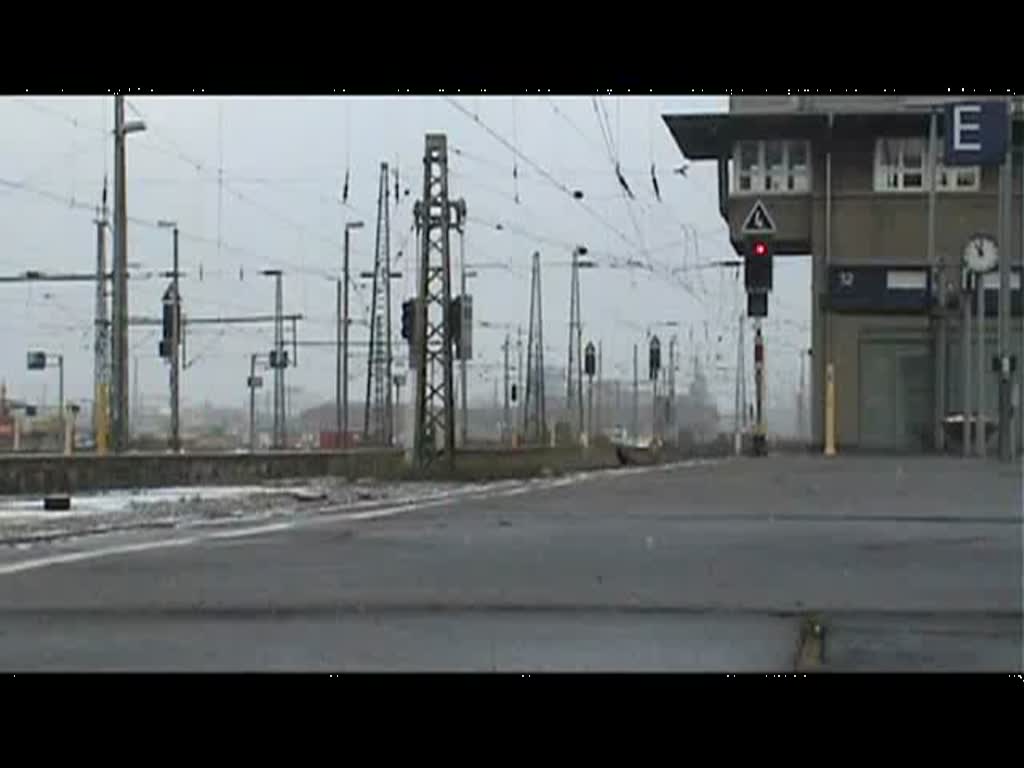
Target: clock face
(981, 254)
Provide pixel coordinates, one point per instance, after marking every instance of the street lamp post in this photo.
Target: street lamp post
(576, 335)
(119, 286)
(468, 271)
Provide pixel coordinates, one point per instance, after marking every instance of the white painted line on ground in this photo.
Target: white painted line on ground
(239, 533)
(93, 554)
(455, 493)
(74, 557)
(435, 500)
(427, 502)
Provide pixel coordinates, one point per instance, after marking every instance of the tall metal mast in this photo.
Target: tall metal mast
(435, 402)
(378, 421)
(101, 349)
(533, 405)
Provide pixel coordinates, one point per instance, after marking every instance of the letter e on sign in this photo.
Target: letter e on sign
(966, 128)
(977, 133)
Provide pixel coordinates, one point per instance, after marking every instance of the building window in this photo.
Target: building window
(901, 166)
(774, 166)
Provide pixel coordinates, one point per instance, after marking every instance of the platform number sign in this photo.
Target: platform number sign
(976, 133)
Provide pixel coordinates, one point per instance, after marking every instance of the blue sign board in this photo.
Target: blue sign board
(876, 289)
(976, 133)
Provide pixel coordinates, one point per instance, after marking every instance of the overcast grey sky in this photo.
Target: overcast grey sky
(284, 161)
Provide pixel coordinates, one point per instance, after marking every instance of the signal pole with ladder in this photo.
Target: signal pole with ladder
(574, 369)
(460, 225)
(101, 364)
(759, 380)
(506, 426)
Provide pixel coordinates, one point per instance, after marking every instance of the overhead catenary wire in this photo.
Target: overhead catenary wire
(200, 168)
(184, 234)
(542, 171)
(609, 152)
(174, 152)
(613, 157)
(561, 186)
(648, 254)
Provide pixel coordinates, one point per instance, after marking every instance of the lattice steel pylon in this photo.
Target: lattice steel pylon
(378, 422)
(533, 405)
(434, 437)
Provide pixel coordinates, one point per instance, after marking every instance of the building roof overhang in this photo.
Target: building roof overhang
(711, 136)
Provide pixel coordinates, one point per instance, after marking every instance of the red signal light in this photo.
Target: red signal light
(760, 248)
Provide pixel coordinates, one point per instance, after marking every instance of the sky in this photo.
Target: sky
(282, 164)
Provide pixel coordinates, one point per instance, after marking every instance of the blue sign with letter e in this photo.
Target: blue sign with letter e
(976, 133)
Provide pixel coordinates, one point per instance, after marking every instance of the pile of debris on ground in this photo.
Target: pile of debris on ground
(25, 519)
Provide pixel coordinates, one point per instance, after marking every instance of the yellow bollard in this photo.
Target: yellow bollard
(830, 410)
(101, 426)
(69, 427)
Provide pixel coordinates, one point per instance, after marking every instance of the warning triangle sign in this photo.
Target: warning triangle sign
(758, 221)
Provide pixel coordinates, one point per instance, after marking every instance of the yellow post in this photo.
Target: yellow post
(830, 410)
(102, 421)
(69, 430)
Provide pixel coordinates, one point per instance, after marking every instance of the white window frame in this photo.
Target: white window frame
(784, 180)
(892, 178)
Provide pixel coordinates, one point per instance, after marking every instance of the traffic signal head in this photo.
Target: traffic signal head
(590, 360)
(455, 323)
(461, 320)
(654, 358)
(408, 318)
(757, 305)
(758, 265)
(171, 323)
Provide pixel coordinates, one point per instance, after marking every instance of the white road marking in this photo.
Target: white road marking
(75, 557)
(494, 491)
(94, 554)
(239, 533)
